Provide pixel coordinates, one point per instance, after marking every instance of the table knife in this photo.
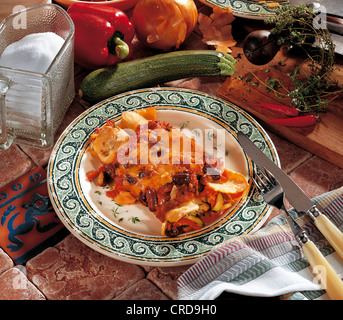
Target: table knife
(301, 203)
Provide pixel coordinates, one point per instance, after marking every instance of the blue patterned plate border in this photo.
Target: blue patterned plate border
(87, 222)
(246, 8)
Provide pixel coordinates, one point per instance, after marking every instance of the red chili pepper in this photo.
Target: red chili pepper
(103, 35)
(302, 121)
(287, 111)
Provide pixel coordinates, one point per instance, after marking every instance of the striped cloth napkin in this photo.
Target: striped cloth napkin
(267, 263)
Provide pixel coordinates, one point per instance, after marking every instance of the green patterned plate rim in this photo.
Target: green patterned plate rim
(246, 8)
(96, 224)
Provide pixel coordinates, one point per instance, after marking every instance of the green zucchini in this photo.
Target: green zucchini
(151, 71)
(197, 220)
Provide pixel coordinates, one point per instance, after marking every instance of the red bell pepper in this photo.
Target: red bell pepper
(94, 174)
(189, 223)
(103, 35)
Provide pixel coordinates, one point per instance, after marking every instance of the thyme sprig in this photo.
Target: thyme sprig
(297, 27)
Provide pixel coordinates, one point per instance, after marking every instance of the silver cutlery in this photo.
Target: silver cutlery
(273, 194)
(294, 194)
(274, 185)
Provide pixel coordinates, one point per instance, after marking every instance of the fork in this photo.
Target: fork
(273, 194)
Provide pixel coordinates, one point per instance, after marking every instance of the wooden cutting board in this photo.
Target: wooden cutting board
(325, 139)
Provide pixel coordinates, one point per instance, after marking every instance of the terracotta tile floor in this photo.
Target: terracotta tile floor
(71, 270)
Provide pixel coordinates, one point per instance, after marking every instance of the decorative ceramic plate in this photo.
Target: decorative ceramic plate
(246, 8)
(132, 233)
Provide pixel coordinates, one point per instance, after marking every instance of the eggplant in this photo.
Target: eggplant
(260, 47)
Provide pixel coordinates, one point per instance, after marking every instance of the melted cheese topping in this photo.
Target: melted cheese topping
(107, 142)
(164, 170)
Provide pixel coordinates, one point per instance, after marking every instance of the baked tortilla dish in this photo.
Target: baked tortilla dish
(143, 160)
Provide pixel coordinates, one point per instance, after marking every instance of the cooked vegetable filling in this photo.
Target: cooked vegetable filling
(144, 161)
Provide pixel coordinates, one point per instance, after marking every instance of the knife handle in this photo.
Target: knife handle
(335, 20)
(329, 231)
(332, 284)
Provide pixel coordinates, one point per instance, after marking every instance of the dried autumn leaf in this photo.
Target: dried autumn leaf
(217, 29)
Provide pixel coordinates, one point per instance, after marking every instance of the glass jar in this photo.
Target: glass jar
(33, 104)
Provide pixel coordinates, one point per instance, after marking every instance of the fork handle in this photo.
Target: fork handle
(328, 230)
(332, 284)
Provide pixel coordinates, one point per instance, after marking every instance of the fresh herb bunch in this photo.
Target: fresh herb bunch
(297, 27)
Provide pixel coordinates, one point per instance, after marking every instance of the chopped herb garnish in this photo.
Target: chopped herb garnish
(184, 125)
(115, 212)
(135, 219)
(196, 132)
(248, 79)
